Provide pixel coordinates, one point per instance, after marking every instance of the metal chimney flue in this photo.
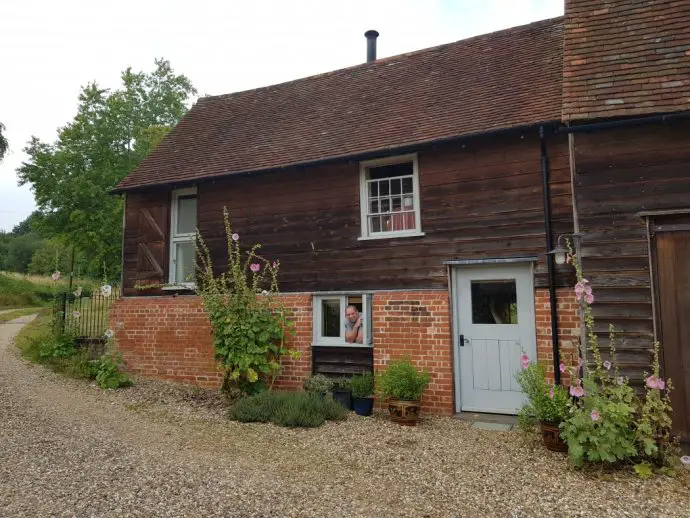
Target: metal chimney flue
(371, 45)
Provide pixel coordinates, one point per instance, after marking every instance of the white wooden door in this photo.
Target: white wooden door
(494, 309)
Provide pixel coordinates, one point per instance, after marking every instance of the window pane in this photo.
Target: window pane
(390, 171)
(184, 262)
(373, 206)
(330, 315)
(375, 224)
(494, 302)
(385, 205)
(397, 203)
(408, 203)
(186, 214)
(384, 188)
(395, 186)
(407, 185)
(386, 224)
(373, 189)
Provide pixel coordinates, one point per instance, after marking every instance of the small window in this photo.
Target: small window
(494, 302)
(390, 197)
(342, 320)
(182, 237)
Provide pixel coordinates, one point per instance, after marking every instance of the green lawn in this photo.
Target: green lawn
(11, 315)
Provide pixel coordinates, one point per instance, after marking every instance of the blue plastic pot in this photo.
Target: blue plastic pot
(363, 405)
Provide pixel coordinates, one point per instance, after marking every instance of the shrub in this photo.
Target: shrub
(363, 385)
(107, 371)
(249, 324)
(291, 409)
(343, 383)
(318, 384)
(402, 380)
(546, 403)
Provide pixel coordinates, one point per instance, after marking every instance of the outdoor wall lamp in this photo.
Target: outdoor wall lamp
(560, 252)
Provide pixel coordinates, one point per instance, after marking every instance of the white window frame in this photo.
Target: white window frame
(364, 197)
(179, 238)
(319, 340)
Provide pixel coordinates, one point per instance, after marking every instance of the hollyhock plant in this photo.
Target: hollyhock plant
(106, 290)
(255, 267)
(235, 237)
(685, 461)
(108, 334)
(577, 391)
(652, 382)
(55, 276)
(524, 360)
(562, 367)
(76, 314)
(607, 365)
(594, 415)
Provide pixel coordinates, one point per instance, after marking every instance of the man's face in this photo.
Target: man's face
(351, 314)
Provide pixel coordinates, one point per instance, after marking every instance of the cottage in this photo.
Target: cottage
(427, 189)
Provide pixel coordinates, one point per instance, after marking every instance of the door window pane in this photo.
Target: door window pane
(494, 302)
(186, 215)
(184, 262)
(330, 318)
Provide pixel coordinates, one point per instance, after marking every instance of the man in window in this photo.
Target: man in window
(353, 326)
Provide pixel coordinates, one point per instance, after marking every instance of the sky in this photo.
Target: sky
(51, 49)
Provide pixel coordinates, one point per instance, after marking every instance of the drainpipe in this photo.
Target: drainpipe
(549, 257)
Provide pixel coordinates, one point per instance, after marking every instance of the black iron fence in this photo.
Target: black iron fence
(85, 316)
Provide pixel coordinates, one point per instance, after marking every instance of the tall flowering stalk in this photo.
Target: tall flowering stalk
(608, 421)
(249, 323)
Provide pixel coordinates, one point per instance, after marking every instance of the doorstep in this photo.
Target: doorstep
(499, 422)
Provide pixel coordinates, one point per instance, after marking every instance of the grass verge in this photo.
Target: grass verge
(11, 315)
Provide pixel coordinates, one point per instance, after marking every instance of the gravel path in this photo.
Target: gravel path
(68, 448)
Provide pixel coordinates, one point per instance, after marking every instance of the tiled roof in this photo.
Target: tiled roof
(495, 81)
(626, 57)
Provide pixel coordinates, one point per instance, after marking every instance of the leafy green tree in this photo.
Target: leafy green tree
(4, 145)
(19, 251)
(52, 255)
(111, 133)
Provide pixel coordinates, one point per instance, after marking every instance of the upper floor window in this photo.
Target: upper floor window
(389, 197)
(182, 237)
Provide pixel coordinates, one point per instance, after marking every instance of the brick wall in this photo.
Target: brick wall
(417, 324)
(568, 329)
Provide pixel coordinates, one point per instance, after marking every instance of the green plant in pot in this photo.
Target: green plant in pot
(546, 404)
(318, 384)
(363, 393)
(342, 391)
(403, 385)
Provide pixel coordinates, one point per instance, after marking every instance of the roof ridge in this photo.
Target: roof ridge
(383, 61)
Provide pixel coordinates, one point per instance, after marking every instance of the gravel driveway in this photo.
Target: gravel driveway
(68, 448)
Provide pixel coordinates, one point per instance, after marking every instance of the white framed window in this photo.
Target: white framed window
(389, 197)
(333, 323)
(182, 237)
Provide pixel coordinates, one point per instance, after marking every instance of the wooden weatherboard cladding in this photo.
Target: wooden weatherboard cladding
(342, 361)
(618, 175)
(145, 242)
(481, 198)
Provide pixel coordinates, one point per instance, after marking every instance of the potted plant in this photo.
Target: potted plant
(342, 392)
(362, 393)
(546, 404)
(403, 385)
(318, 384)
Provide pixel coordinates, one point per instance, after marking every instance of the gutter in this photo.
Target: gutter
(549, 257)
(652, 119)
(379, 153)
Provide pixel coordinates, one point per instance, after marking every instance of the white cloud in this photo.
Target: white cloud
(56, 47)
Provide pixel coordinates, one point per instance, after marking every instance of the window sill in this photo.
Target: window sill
(179, 287)
(344, 344)
(392, 235)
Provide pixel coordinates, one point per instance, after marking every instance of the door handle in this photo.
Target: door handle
(463, 340)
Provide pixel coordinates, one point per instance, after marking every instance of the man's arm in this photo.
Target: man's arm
(355, 334)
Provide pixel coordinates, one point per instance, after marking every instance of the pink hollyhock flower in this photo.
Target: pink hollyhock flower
(579, 290)
(55, 276)
(607, 365)
(235, 237)
(524, 360)
(275, 264)
(255, 267)
(660, 384)
(652, 382)
(595, 415)
(561, 367)
(551, 393)
(589, 298)
(568, 258)
(577, 391)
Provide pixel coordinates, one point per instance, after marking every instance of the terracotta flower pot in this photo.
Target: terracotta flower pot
(404, 412)
(551, 435)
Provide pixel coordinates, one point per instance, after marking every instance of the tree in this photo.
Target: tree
(20, 250)
(4, 145)
(111, 133)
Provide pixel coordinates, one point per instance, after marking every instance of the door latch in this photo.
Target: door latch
(463, 340)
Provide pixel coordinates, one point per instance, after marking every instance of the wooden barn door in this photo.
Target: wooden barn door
(672, 238)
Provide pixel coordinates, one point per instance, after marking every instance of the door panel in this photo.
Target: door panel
(673, 279)
(494, 310)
